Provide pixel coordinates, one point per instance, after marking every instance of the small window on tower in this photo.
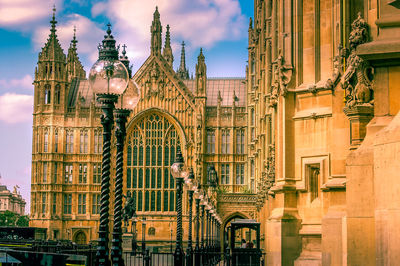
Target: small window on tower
(313, 172)
(57, 94)
(47, 94)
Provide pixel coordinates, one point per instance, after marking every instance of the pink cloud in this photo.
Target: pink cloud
(15, 108)
(23, 83)
(200, 23)
(23, 14)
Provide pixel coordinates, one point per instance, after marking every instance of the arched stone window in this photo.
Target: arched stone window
(47, 94)
(57, 94)
(151, 146)
(80, 238)
(152, 231)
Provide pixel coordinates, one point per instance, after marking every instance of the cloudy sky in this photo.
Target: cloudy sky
(219, 26)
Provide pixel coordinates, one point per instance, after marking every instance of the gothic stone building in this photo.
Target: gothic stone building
(313, 131)
(205, 116)
(323, 130)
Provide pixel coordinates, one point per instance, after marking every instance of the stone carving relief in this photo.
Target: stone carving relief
(268, 177)
(282, 76)
(155, 82)
(357, 79)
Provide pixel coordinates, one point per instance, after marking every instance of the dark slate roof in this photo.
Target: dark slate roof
(80, 88)
(226, 86)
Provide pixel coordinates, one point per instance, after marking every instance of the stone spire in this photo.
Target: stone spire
(201, 74)
(182, 71)
(156, 30)
(167, 52)
(74, 66)
(51, 61)
(50, 74)
(53, 21)
(52, 49)
(125, 60)
(74, 41)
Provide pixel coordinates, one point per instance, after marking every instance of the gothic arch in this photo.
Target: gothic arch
(234, 215)
(172, 119)
(151, 145)
(80, 238)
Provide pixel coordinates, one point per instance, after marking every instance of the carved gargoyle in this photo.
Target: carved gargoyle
(356, 80)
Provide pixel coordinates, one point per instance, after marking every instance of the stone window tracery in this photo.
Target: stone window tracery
(151, 150)
(225, 145)
(47, 94)
(69, 146)
(84, 141)
(211, 141)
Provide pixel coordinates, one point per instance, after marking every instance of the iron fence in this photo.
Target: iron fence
(198, 258)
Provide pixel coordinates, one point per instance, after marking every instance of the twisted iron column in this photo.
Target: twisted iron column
(178, 255)
(107, 105)
(202, 226)
(120, 133)
(189, 247)
(197, 247)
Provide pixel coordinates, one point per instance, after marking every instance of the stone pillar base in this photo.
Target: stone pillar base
(359, 117)
(127, 242)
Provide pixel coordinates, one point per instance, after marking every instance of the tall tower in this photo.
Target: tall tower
(156, 30)
(50, 89)
(182, 71)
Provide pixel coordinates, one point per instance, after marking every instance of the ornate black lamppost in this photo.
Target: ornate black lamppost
(212, 176)
(134, 235)
(197, 245)
(178, 172)
(108, 78)
(191, 188)
(120, 133)
(202, 222)
(144, 236)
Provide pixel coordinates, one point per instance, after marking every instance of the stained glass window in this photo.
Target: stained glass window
(151, 147)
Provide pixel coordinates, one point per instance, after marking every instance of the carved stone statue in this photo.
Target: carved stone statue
(129, 209)
(155, 82)
(356, 80)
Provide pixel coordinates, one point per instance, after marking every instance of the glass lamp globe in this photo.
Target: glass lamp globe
(108, 76)
(130, 98)
(177, 169)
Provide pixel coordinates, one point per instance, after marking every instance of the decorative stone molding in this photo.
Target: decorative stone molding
(155, 82)
(235, 198)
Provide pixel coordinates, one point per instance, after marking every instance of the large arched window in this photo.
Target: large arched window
(151, 151)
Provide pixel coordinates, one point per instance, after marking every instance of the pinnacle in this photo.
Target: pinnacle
(53, 22)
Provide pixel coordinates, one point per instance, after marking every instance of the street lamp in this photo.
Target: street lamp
(134, 235)
(128, 101)
(191, 189)
(198, 198)
(178, 171)
(108, 78)
(212, 176)
(144, 236)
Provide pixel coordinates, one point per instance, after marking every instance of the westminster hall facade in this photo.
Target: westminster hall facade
(206, 117)
(314, 128)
